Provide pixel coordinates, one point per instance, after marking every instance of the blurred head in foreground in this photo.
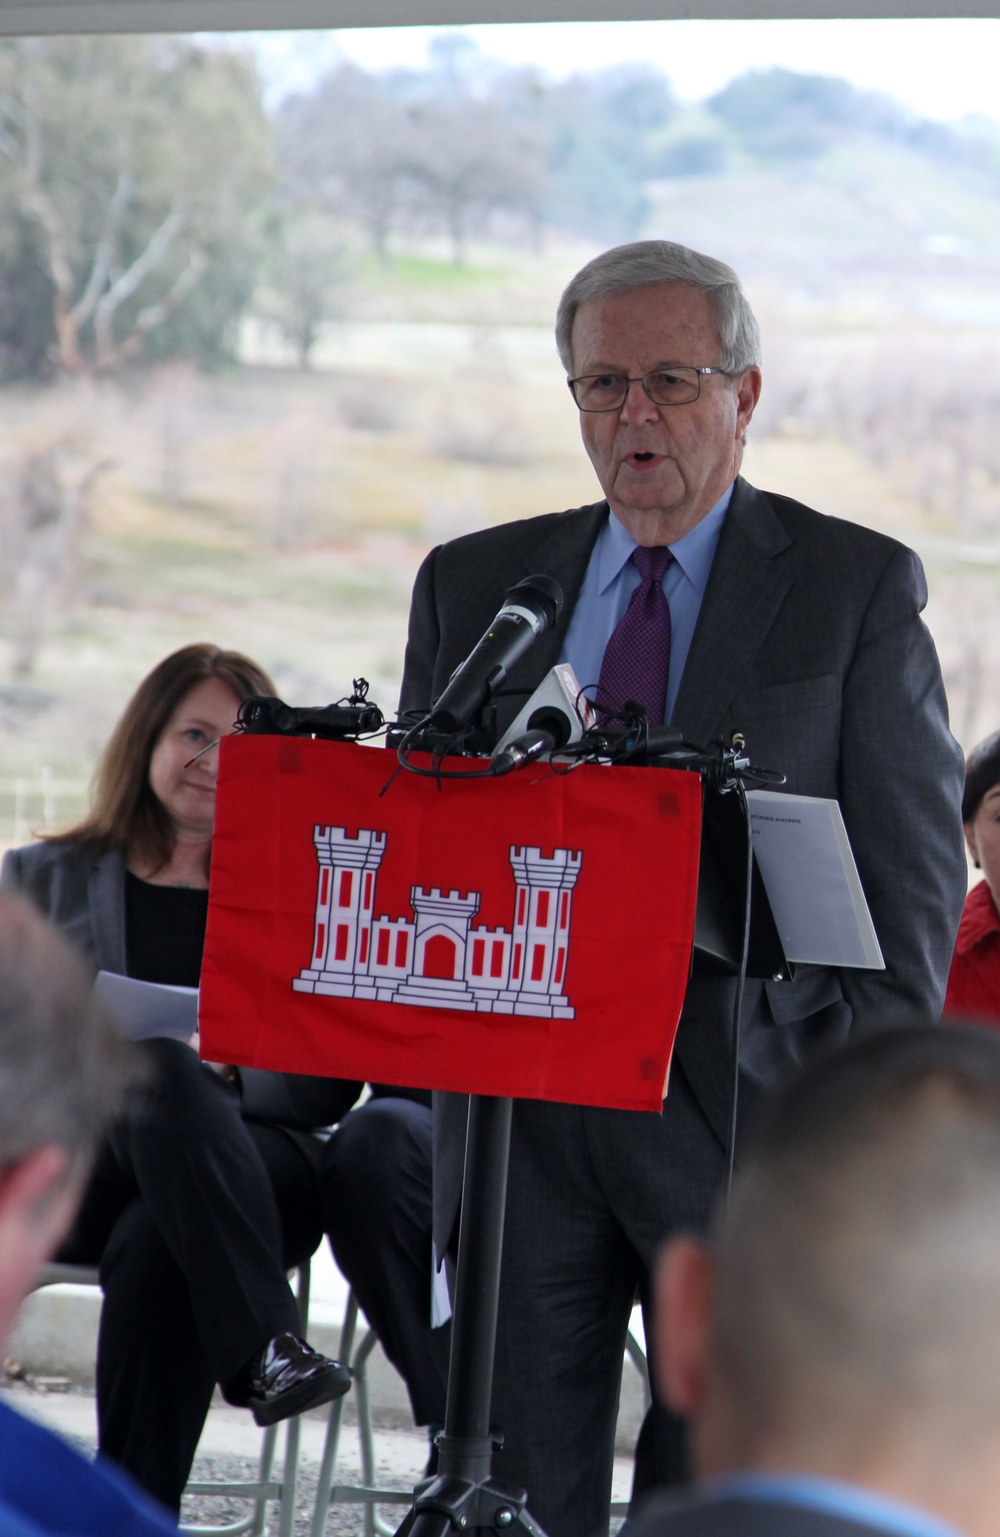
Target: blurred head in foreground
(844, 1322)
(63, 1072)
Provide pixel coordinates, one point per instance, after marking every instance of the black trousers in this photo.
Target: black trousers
(376, 1177)
(591, 1195)
(192, 1215)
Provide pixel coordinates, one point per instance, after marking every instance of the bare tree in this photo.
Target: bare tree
(343, 148)
(48, 492)
(394, 153)
(308, 270)
(467, 159)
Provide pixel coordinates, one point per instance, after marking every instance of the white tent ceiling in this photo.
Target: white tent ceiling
(41, 16)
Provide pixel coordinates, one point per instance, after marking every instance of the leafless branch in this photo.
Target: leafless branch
(154, 314)
(130, 280)
(104, 253)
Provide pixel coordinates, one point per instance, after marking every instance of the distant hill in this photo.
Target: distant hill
(823, 182)
(864, 222)
(840, 194)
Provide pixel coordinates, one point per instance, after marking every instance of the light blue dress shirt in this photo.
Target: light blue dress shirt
(834, 1498)
(610, 580)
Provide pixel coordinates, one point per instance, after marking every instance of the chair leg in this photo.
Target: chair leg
(264, 1489)
(637, 1356)
(366, 1493)
(332, 1441)
(373, 1527)
(293, 1428)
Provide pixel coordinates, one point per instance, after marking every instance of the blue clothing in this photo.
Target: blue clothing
(833, 1498)
(610, 580)
(48, 1490)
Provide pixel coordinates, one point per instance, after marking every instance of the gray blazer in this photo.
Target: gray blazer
(83, 894)
(810, 642)
(693, 1516)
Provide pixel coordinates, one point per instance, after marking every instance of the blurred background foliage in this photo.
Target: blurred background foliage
(137, 180)
(259, 351)
(147, 199)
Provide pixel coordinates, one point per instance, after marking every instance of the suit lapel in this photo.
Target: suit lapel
(746, 587)
(106, 900)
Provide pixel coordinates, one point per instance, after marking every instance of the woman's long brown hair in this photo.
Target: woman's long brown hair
(124, 812)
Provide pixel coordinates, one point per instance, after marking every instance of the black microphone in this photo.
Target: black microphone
(550, 718)
(522, 751)
(528, 610)
(263, 715)
(663, 738)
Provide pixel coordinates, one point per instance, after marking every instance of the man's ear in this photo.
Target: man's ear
(685, 1285)
(39, 1196)
(747, 395)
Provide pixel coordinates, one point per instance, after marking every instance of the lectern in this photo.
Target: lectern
(525, 937)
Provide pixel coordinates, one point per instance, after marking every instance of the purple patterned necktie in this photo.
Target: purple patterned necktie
(637, 657)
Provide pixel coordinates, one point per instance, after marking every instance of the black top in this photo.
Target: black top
(164, 932)
(164, 940)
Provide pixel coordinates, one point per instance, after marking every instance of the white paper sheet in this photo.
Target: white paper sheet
(812, 882)
(143, 1010)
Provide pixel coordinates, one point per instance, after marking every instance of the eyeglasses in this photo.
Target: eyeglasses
(664, 386)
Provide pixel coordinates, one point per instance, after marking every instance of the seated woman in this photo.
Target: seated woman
(974, 981)
(193, 1212)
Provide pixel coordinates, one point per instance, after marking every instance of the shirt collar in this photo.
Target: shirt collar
(694, 552)
(852, 1501)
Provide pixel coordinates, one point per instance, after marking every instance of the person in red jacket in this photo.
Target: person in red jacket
(974, 980)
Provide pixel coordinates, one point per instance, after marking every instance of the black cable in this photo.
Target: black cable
(435, 771)
(740, 981)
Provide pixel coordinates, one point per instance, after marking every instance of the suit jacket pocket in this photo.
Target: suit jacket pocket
(795, 728)
(789, 700)
(814, 989)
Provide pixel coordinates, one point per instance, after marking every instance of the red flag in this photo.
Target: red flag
(528, 936)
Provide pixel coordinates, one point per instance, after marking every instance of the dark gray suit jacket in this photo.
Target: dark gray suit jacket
(810, 642)
(696, 1517)
(83, 894)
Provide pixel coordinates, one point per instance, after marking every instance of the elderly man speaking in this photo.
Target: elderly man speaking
(721, 608)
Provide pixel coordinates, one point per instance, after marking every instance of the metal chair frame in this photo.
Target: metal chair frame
(265, 1487)
(367, 1492)
(635, 1353)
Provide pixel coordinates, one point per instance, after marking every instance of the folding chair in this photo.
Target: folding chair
(260, 1490)
(366, 1493)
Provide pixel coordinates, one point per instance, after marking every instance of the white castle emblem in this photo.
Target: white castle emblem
(436, 958)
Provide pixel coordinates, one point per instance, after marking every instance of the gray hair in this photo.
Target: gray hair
(859, 1259)
(63, 1067)
(662, 261)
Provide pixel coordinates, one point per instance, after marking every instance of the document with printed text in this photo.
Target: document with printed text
(801, 846)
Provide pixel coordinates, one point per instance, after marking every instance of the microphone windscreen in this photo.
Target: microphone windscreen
(557, 723)
(539, 592)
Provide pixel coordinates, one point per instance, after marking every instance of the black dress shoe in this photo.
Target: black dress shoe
(288, 1377)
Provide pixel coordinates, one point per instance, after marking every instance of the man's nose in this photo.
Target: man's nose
(637, 406)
